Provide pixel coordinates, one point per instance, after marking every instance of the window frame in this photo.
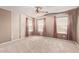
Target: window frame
(57, 25)
(40, 25)
(30, 26)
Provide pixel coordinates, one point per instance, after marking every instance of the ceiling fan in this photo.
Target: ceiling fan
(40, 10)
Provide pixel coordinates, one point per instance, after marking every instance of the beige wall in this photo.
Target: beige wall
(5, 25)
(12, 24)
(18, 25)
(23, 25)
(15, 17)
(49, 24)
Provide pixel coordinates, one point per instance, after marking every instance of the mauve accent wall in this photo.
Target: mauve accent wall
(78, 27)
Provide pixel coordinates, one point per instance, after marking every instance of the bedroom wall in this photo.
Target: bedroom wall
(50, 21)
(78, 28)
(5, 25)
(23, 25)
(49, 24)
(18, 25)
(15, 17)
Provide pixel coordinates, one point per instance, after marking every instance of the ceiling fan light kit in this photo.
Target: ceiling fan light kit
(40, 12)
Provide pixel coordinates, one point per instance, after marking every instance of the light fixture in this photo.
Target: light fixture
(39, 12)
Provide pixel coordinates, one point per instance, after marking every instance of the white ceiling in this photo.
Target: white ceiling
(30, 10)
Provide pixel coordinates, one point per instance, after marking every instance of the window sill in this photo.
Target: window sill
(61, 35)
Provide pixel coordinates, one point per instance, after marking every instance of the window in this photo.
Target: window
(30, 27)
(62, 24)
(40, 25)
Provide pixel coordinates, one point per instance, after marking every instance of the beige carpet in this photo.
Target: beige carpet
(39, 44)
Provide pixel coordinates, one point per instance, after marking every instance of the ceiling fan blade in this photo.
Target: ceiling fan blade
(39, 10)
(44, 11)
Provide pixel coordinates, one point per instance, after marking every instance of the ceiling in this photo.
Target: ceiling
(30, 10)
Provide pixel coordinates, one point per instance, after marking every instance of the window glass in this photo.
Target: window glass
(40, 25)
(30, 27)
(62, 24)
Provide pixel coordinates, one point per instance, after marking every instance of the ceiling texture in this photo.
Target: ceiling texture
(30, 10)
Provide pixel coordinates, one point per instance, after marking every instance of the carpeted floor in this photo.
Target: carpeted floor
(39, 44)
